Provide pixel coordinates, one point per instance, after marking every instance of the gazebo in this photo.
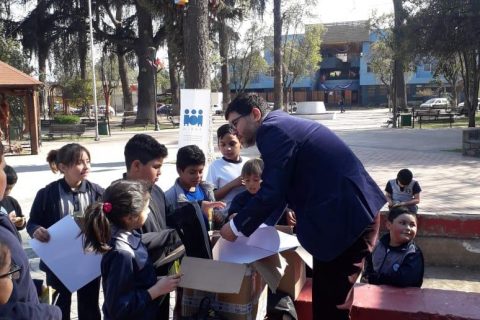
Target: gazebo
(13, 82)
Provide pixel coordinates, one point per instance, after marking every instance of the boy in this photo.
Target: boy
(10, 308)
(396, 260)
(225, 173)
(10, 204)
(144, 158)
(403, 191)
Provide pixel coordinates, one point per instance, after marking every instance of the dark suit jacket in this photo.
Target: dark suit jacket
(316, 173)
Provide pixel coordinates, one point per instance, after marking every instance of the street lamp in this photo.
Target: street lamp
(152, 60)
(95, 107)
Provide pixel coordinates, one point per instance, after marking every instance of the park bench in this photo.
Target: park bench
(56, 129)
(433, 115)
(132, 120)
(45, 123)
(89, 123)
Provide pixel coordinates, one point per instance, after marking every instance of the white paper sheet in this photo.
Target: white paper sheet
(262, 243)
(64, 255)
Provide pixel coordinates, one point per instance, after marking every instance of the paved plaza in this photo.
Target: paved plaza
(450, 181)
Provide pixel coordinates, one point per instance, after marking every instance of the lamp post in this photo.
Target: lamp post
(152, 60)
(95, 107)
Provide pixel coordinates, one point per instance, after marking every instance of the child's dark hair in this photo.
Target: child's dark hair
(121, 199)
(11, 175)
(397, 211)
(68, 155)
(252, 167)
(244, 103)
(190, 155)
(223, 130)
(2, 151)
(404, 176)
(143, 148)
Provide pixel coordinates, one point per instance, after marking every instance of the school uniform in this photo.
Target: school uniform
(29, 311)
(51, 204)
(127, 274)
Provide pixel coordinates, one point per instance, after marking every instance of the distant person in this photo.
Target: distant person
(396, 260)
(341, 104)
(10, 308)
(10, 204)
(130, 285)
(144, 157)
(225, 173)
(403, 191)
(69, 195)
(336, 202)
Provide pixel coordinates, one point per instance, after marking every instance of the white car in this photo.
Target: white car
(435, 103)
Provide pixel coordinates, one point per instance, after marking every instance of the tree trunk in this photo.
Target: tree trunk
(398, 62)
(195, 28)
(277, 55)
(173, 75)
(224, 42)
(82, 41)
(122, 72)
(470, 75)
(146, 72)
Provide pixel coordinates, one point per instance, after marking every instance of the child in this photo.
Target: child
(10, 204)
(396, 260)
(144, 159)
(252, 177)
(225, 173)
(190, 187)
(11, 308)
(403, 191)
(129, 281)
(69, 195)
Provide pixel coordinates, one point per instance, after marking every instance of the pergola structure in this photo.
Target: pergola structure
(13, 82)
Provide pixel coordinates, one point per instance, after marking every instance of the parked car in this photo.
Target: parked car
(102, 108)
(217, 109)
(436, 103)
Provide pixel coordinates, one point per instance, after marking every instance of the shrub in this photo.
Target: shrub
(66, 119)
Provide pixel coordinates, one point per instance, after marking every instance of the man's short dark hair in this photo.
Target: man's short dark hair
(190, 155)
(244, 103)
(404, 176)
(223, 130)
(143, 148)
(397, 211)
(11, 175)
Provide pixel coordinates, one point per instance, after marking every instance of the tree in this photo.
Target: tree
(381, 62)
(444, 28)
(277, 54)
(450, 69)
(196, 45)
(400, 101)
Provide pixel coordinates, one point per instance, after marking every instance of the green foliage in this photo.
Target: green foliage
(66, 119)
(11, 53)
(78, 91)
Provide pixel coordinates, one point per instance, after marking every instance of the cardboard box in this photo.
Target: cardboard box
(238, 276)
(295, 274)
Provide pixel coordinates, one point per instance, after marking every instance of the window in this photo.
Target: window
(369, 67)
(427, 67)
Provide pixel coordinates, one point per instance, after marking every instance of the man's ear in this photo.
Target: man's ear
(388, 225)
(257, 114)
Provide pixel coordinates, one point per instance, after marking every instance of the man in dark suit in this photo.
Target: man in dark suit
(335, 200)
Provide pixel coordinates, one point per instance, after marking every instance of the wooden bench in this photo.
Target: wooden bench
(45, 123)
(433, 115)
(132, 120)
(65, 129)
(89, 123)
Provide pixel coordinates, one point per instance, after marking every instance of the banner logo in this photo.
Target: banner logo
(191, 118)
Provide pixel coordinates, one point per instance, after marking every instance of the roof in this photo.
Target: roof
(349, 31)
(9, 76)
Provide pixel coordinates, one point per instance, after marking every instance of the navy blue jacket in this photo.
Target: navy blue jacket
(29, 311)
(23, 288)
(316, 173)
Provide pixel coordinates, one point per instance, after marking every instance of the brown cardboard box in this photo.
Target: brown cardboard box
(237, 291)
(295, 274)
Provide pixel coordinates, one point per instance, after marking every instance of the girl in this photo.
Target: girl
(69, 195)
(130, 285)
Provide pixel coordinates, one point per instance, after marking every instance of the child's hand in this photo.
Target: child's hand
(239, 181)
(164, 285)
(291, 218)
(206, 205)
(41, 234)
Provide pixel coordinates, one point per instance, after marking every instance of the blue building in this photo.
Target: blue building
(344, 72)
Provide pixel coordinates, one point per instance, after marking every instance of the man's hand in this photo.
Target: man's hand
(291, 218)
(227, 233)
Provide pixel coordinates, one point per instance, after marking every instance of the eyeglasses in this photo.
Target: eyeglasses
(234, 122)
(14, 272)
